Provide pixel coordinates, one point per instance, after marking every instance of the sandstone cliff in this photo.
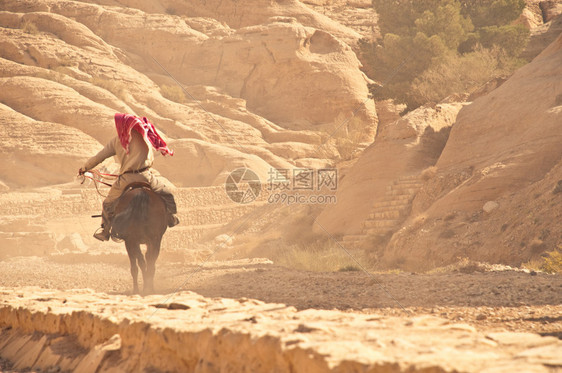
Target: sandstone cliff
(253, 75)
(493, 195)
(375, 194)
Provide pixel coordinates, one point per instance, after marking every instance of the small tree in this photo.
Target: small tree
(492, 12)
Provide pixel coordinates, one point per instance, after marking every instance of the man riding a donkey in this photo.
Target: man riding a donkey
(133, 147)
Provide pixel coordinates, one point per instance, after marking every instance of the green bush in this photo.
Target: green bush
(511, 38)
(492, 12)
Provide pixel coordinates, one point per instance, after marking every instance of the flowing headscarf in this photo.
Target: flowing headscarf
(125, 123)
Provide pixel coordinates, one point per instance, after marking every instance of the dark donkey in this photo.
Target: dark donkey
(140, 218)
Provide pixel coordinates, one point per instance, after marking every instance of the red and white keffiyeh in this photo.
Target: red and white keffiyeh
(125, 123)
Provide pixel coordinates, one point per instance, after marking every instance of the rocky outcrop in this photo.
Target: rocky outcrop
(358, 15)
(252, 79)
(544, 21)
(198, 163)
(550, 9)
(375, 194)
(205, 16)
(85, 331)
(504, 147)
(32, 151)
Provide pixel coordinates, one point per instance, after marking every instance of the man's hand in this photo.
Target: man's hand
(81, 171)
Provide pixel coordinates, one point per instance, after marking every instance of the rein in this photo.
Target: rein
(98, 178)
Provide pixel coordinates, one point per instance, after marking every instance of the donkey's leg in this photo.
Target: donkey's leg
(132, 249)
(152, 252)
(142, 264)
(140, 257)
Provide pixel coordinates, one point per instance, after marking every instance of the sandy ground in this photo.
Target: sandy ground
(493, 300)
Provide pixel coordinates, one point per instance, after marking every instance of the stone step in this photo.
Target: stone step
(397, 197)
(403, 192)
(415, 181)
(349, 242)
(393, 208)
(63, 205)
(391, 203)
(389, 223)
(393, 214)
(403, 186)
(353, 237)
(351, 245)
(391, 198)
(378, 231)
(415, 187)
(409, 178)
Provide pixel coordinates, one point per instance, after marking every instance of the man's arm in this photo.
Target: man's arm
(106, 152)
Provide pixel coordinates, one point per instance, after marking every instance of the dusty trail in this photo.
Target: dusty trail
(497, 300)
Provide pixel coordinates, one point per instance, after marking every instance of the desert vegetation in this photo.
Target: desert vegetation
(432, 49)
(30, 28)
(348, 134)
(115, 87)
(550, 262)
(321, 256)
(173, 93)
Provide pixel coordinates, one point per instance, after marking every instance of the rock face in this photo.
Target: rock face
(504, 147)
(32, 151)
(198, 163)
(544, 21)
(550, 9)
(375, 193)
(253, 74)
(358, 15)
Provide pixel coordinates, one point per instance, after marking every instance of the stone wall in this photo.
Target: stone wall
(27, 218)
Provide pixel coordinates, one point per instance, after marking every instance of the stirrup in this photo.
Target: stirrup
(101, 234)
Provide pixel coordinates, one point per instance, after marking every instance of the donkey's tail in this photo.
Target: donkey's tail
(135, 214)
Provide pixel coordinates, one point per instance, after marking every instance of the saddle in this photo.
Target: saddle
(135, 185)
(138, 185)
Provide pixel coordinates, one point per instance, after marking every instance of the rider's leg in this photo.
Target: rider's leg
(170, 202)
(103, 234)
(108, 209)
(160, 186)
